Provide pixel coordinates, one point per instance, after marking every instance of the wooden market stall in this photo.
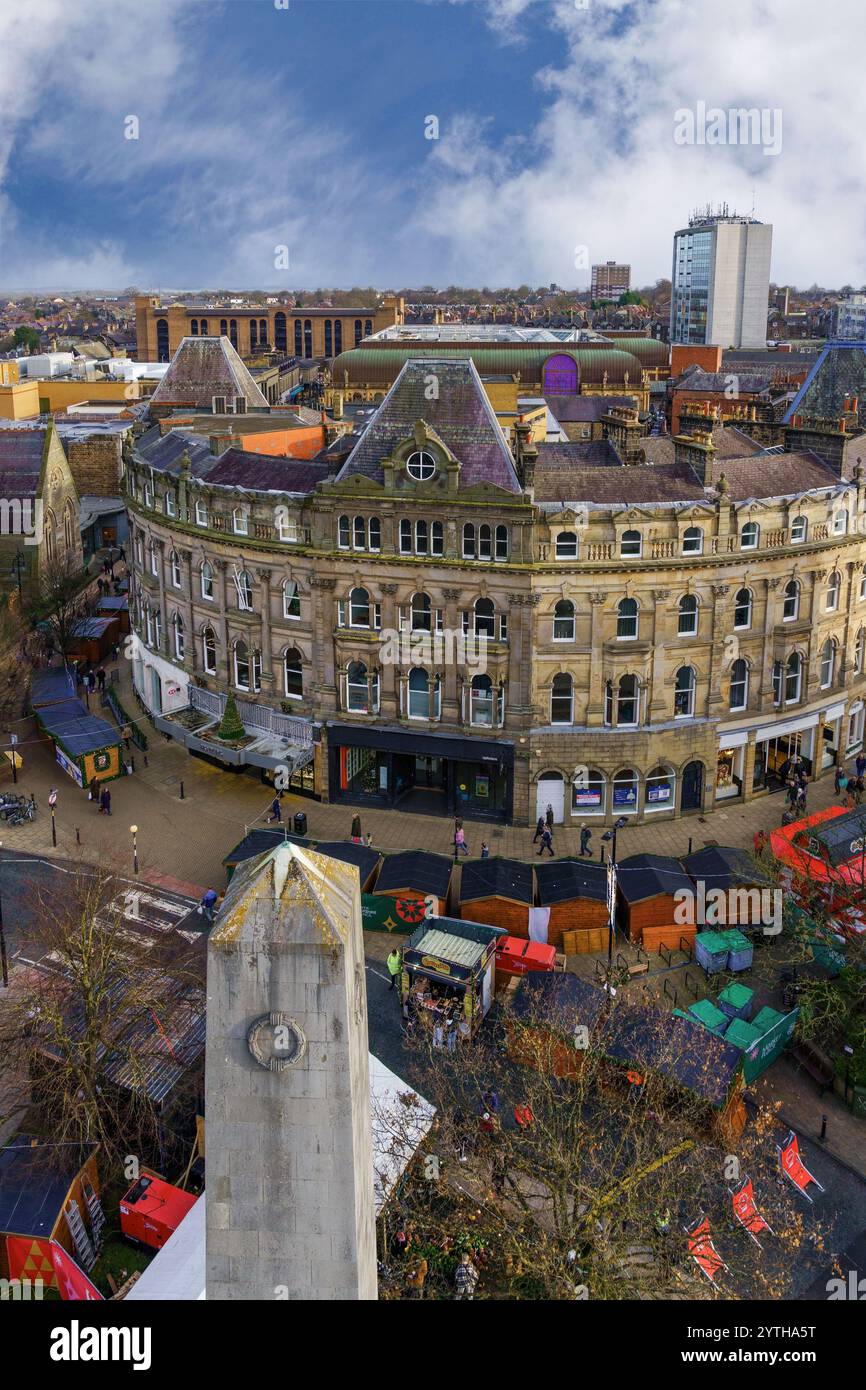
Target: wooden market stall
(728, 886)
(647, 885)
(110, 606)
(574, 893)
(93, 639)
(448, 972)
(416, 876)
(498, 891)
(366, 860)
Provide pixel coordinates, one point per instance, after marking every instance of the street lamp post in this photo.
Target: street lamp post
(52, 802)
(610, 835)
(4, 970)
(134, 833)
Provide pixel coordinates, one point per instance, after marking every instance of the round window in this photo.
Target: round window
(421, 466)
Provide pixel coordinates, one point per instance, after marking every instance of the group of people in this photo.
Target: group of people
(851, 788)
(460, 845)
(94, 680)
(101, 797)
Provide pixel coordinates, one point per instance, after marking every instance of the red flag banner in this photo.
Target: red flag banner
(30, 1258)
(72, 1282)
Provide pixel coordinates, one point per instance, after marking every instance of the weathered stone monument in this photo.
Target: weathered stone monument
(289, 1181)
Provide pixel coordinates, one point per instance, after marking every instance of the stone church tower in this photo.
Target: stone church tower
(289, 1188)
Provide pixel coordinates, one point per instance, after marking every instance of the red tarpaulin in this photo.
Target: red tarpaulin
(31, 1258)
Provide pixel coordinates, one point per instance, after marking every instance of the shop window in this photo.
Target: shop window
(627, 619)
(563, 621)
(659, 791)
(625, 790)
(687, 622)
(739, 684)
(562, 699)
(588, 793)
(684, 693)
(743, 609)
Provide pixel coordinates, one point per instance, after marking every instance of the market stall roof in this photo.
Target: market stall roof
(416, 870)
(481, 933)
(51, 687)
(113, 603)
(681, 1049)
(497, 878)
(560, 880)
(559, 1001)
(643, 876)
(364, 859)
(34, 1180)
(259, 842)
(79, 731)
(719, 866)
(91, 627)
(842, 837)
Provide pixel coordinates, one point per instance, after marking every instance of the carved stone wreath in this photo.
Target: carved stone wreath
(275, 1041)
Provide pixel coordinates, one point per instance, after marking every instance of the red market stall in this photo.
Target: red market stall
(827, 849)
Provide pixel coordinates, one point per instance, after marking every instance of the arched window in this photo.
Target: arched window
(739, 684)
(502, 542)
(240, 521)
(201, 513)
(368, 328)
(308, 337)
(437, 538)
(420, 706)
(153, 555)
(359, 332)
(208, 651)
(485, 543)
(828, 663)
(588, 793)
(162, 352)
(343, 533)
(329, 346)
(626, 618)
(625, 790)
(291, 599)
(791, 605)
(375, 533)
(338, 337)
(193, 328)
(242, 665)
(627, 701)
(469, 541)
(299, 342)
(659, 789)
(859, 651)
(485, 618)
(420, 537)
(566, 545)
(254, 335)
(778, 681)
(563, 621)
(68, 527)
(793, 677)
(421, 613)
(263, 332)
(224, 328)
(280, 339)
(799, 529)
(359, 608)
(743, 608)
(203, 328)
(359, 533)
(357, 691)
(684, 693)
(687, 621)
(293, 681)
(179, 637)
(693, 540)
(233, 333)
(405, 537)
(750, 536)
(631, 544)
(562, 699)
(244, 585)
(481, 701)
(174, 569)
(834, 584)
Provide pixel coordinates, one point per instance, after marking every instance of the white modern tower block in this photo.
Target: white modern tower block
(289, 1182)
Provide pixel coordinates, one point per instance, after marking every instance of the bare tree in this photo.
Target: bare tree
(58, 600)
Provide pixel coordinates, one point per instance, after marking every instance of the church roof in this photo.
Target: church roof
(203, 368)
(460, 414)
(840, 371)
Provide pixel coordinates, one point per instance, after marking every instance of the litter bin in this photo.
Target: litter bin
(300, 823)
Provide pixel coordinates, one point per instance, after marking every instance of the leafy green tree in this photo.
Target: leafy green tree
(26, 337)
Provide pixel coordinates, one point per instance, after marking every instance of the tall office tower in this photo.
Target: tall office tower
(610, 280)
(720, 282)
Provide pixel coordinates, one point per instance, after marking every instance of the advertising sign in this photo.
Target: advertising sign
(70, 767)
(765, 1051)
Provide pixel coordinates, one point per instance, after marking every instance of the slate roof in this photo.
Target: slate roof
(264, 472)
(643, 876)
(683, 1051)
(721, 867)
(776, 475)
(202, 368)
(165, 451)
(52, 687)
(365, 859)
(35, 1177)
(559, 1000)
(585, 409)
(257, 842)
(21, 461)
(612, 484)
(415, 869)
(839, 371)
(748, 383)
(461, 416)
(563, 880)
(496, 878)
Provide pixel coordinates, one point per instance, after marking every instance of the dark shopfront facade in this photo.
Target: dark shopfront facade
(430, 774)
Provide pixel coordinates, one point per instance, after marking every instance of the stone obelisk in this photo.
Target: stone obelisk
(289, 1163)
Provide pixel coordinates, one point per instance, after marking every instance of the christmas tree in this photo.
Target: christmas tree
(231, 726)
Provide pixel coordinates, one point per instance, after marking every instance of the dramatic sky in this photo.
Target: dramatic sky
(301, 123)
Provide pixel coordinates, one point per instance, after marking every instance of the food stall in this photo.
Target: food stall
(448, 972)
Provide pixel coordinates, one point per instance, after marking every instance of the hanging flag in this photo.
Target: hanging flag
(73, 1283)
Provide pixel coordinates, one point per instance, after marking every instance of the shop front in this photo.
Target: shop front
(429, 774)
(729, 767)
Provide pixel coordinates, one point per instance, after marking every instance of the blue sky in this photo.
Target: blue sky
(262, 127)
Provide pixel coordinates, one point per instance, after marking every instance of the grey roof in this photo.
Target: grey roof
(840, 371)
(588, 409)
(165, 451)
(461, 416)
(20, 461)
(203, 368)
(265, 472)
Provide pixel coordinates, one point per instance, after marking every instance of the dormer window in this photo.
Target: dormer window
(421, 466)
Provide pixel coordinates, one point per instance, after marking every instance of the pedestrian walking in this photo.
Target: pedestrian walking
(465, 1279)
(105, 802)
(860, 764)
(460, 840)
(451, 1036)
(208, 903)
(94, 791)
(276, 810)
(490, 1100)
(539, 828)
(368, 840)
(356, 830)
(546, 843)
(394, 964)
(438, 1034)
(485, 850)
(760, 841)
(121, 558)
(837, 779)
(100, 679)
(585, 837)
(548, 816)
